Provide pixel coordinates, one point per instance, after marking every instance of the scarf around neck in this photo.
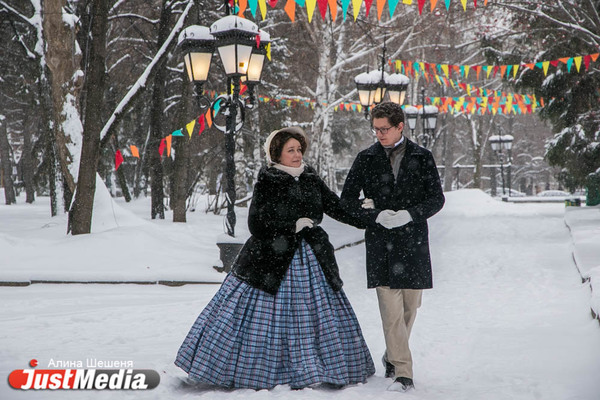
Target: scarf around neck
(293, 171)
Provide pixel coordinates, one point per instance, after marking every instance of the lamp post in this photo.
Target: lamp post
(501, 143)
(428, 115)
(372, 86)
(242, 49)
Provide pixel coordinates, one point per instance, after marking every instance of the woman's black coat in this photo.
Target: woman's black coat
(279, 200)
(399, 257)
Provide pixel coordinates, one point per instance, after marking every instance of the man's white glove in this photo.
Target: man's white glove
(368, 204)
(393, 219)
(304, 223)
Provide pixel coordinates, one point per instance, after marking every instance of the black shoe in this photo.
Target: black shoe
(390, 370)
(401, 384)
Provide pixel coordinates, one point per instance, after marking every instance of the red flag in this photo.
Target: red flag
(586, 61)
(421, 4)
(243, 89)
(161, 147)
(322, 8)
(201, 124)
(272, 3)
(118, 159)
(368, 6)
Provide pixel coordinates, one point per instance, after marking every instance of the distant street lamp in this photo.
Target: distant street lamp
(372, 86)
(500, 144)
(242, 49)
(428, 116)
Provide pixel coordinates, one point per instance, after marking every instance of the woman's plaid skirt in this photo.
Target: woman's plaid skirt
(305, 335)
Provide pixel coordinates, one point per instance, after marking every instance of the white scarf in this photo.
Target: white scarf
(293, 171)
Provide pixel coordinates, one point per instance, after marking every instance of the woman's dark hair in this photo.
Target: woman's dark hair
(392, 111)
(281, 138)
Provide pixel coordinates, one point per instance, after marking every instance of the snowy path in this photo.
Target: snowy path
(508, 318)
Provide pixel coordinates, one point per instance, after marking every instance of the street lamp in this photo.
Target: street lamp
(428, 115)
(372, 86)
(501, 143)
(242, 48)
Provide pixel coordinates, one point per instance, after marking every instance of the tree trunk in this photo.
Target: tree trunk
(181, 181)
(27, 164)
(158, 98)
(63, 61)
(81, 216)
(6, 166)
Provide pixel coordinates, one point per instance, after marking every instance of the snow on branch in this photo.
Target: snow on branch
(140, 84)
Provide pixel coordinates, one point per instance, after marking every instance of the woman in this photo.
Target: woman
(280, 316)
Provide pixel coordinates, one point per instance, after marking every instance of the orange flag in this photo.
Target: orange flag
(134, 151)
(290, 9)
(168, 140)
(208, 118)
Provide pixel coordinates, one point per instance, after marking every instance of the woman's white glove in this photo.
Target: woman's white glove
(304, 223)
(368, 204)
(393, 219)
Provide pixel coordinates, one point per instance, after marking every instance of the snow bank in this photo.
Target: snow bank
(584, 224)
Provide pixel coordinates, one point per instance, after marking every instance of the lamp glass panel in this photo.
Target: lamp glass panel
(378, 95)
(412, 121)
(232, 64)
(197, 64)
(394, 96)
(255, 67)
(432, 121)
(495, 146)
(364, 95)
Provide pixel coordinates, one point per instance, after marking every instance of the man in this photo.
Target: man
(402, 189)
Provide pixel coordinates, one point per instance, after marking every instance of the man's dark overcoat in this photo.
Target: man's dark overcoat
(279, 200)
(399, 257)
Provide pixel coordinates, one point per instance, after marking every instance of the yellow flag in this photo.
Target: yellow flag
(546, 64)
(515, 69)
(407, 1)
(577, 62)
(268, 48)
(467, 69)
(310, 8)
(464, 3)
(445, 69)
(356, 7)
(262, 4)
(190, 127)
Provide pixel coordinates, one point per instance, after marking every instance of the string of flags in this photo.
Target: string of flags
(499, 103)
(414, 68)
(255, 6)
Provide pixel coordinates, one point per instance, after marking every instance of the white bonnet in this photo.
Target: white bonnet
(292, 129)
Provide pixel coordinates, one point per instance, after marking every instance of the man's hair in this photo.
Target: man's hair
(392, 111)
(281, 138)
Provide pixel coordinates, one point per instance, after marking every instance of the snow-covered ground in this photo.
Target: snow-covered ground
(509, 317)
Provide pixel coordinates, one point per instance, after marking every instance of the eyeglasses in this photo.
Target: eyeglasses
(383, 131)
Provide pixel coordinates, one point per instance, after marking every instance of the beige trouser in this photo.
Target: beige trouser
(398, 308)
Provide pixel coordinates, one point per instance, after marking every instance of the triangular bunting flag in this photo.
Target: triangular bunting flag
(177, 133)
(380, 4)
(190, 127)
(262, 4)
(464, 4)
(243, 5)
(208, 118)
(168, 141)
(392, 6)
(322, 4)
(433, 3)
(447, 4)
(546, 65)
(368, 4)
(310, 8)
(421, 3)
(345, 4)
(356, 7)
(578, 63)
(201, 124)
(134, 151)
(253, 4)
(290, 9)
(118, 159)
(161, 147)
(333, 8)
